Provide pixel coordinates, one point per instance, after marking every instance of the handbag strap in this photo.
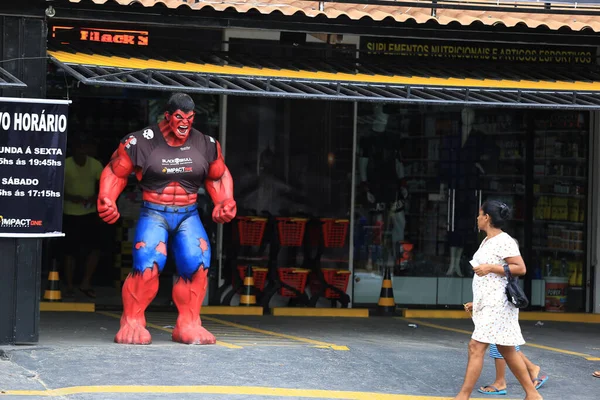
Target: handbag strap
(507, 271)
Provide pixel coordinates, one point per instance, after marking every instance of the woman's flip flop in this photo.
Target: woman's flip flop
(496, 392)
(539, 382)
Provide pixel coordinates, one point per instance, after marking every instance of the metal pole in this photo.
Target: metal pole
(592, 298)
(223, 141)
(352, 204)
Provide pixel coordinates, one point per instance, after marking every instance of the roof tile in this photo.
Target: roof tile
(377, 13)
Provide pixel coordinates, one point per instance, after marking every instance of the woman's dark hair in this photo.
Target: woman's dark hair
(180, 101)
(498, 211)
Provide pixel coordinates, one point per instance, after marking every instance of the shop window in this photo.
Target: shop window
(422, 174)
(291, 161)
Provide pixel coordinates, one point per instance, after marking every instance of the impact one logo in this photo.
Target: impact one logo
(176, 170)
(18, 222)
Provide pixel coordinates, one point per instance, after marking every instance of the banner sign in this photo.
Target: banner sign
(33, 137)
(477, 51)
(125, 37)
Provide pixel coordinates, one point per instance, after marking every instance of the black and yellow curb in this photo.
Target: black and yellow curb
(320, 312)
(67, 306)
(342, 312)
(523, 315)
(231, 310)
(207, 310)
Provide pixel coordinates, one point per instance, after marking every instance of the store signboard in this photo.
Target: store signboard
(477, 51)
(33, 136)
(101, 35)
(119, 38)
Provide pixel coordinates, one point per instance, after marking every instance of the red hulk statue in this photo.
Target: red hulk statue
(171, 161)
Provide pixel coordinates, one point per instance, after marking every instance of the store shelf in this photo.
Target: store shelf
(556, 222)
(558, 250)
(573, 196)
(512, 160)
(502, 193)
(507, 133)
(419, 191)
(520, 176)
(562, 159)
(555, 177)
(565, 131)
(421, 137)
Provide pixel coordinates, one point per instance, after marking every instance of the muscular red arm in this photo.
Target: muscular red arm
(219, 185)
(112, 182)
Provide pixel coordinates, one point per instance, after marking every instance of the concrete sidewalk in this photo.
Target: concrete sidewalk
(280, 357)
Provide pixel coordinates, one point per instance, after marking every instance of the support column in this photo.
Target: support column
(25, 31)
(20, 289)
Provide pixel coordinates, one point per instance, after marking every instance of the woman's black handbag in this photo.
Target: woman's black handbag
(514, 293)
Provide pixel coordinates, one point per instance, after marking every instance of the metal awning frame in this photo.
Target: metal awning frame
(9, 81)
(244, 85)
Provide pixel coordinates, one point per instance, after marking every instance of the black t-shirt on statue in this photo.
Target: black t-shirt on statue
(162, 164)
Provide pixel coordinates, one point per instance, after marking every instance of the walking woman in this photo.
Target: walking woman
(495, 319)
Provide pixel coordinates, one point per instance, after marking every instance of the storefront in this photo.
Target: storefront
(360, 132)
(409, 199)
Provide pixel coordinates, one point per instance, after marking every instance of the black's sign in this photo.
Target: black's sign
(100, 35)
(476, 51)
(33, 136)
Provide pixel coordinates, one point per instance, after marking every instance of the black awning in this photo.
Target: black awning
(348, 80)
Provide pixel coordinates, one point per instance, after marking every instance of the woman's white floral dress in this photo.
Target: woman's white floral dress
(496, 320)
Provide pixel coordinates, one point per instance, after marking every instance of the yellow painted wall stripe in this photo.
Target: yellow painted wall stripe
(230, 390)
(129, 63)
(538, 346)
(160, 328)
(283, 335)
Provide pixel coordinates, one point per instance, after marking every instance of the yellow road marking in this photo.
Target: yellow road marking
(538, 346)
(236, 336)
(233, 335)
(445, 328)
(231, 390)
(283, 335)
(160, 328)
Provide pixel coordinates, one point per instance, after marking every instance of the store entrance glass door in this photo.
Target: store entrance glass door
(423, 174)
